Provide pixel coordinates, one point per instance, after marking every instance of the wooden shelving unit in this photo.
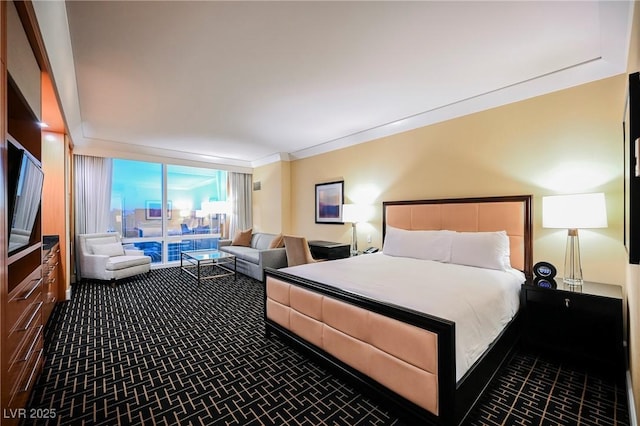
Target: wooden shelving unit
(23, 313)
(34, 279)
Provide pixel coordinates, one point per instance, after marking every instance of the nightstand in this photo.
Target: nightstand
(582, 327)
(329, 250)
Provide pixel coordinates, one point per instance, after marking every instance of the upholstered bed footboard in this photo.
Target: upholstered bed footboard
(399, 354)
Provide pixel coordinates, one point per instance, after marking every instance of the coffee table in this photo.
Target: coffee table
(200, 258)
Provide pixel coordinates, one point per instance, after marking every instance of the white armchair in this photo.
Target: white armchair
(103, 257)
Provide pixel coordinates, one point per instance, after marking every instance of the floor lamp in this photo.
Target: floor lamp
(573, 212)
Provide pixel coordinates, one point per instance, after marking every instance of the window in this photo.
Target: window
(164, 209)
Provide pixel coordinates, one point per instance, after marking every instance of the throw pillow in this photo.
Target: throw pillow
(109, 249)
(242, 238)
(277, 242)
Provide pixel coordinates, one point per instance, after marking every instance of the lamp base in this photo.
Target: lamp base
(572, 266)
(573, 282)
(354, 240)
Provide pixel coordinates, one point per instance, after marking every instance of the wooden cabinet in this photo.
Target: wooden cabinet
(24, 343)
(22, 299)
(50, 276)
(33, 277)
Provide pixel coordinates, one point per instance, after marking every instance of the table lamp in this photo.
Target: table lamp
(354, 213)
(200, 214)
(221, 209)
(573, 212)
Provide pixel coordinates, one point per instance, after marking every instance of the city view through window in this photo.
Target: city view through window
(163, 209)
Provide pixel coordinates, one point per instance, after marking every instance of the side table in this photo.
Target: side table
(580, 326)
(329, 250)
(201, 258)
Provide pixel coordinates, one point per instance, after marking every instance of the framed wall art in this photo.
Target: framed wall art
(153, 210)
(329, 200)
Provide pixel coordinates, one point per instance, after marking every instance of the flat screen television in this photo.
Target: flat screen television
(631, 179)
(24, 195)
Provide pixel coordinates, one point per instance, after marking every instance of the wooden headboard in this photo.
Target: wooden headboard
(511, 214)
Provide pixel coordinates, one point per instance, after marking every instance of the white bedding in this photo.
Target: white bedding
(480, 301)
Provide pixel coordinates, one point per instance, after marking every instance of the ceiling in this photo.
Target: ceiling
(245, 82)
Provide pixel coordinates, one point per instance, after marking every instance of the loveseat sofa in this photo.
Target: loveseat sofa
(252, 259)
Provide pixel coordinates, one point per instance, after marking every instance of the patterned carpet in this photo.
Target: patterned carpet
(160, 350)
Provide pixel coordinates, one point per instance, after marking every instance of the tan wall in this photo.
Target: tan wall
(272, 203)
(633, 277)
(568, 141)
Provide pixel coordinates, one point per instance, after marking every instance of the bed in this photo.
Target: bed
(420, 324)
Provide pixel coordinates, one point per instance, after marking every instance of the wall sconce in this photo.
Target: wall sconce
(574, 212)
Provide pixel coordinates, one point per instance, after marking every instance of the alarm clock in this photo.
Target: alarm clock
(544, 275)
(544, 270)
(544, 282)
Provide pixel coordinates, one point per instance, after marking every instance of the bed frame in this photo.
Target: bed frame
(447, 401)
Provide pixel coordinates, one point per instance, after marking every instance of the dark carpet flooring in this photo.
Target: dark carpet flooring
(161, 350)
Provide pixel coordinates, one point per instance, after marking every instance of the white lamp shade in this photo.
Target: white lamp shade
(354, 213)
(216, 207)
(576, 211)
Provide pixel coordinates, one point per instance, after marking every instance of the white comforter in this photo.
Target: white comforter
(480, 301)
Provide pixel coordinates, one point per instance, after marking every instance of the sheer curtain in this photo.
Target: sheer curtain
(92, 193)
(240, 201)
(28, 200)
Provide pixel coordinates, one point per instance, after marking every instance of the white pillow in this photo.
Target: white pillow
(427, 245)
(108, 249)
(482, 249)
